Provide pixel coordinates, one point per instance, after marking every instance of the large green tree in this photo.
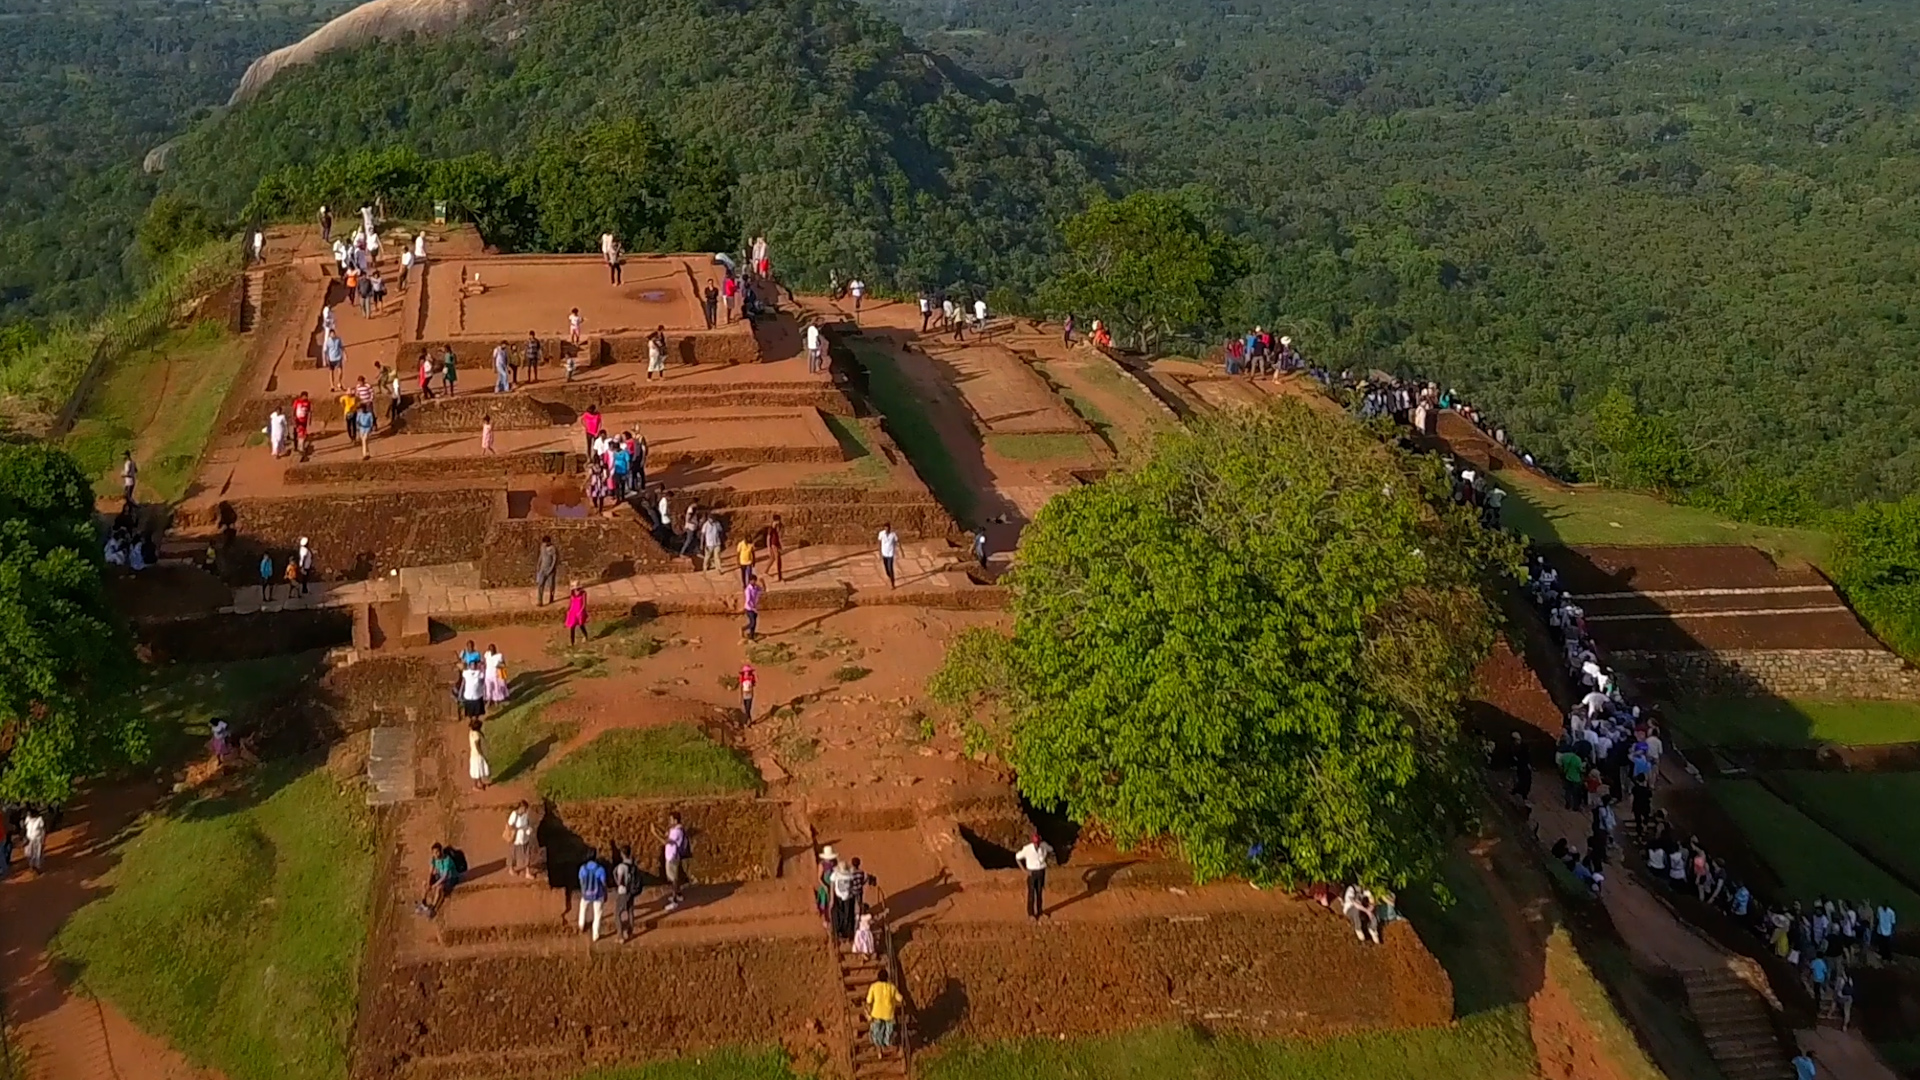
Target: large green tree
(64, 709)
(1256, 644)
(1147, 264)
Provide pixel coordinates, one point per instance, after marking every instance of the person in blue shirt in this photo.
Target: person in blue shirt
(1741, 900)
(593, 892)
(1804, 1066)
(1883, 929)
(266, 578)
(443, 873)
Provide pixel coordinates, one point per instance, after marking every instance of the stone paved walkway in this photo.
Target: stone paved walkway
(923, 567)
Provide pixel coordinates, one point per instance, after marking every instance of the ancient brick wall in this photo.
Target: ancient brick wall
(1857, 673)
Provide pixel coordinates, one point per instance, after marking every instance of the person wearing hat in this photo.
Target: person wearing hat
(823, 887)
(1034, 859)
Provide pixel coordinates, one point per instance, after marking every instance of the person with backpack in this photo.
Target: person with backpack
(443, 873)
(593, 892)
(626, 888)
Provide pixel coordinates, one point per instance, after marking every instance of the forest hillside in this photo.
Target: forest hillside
(1711, 205)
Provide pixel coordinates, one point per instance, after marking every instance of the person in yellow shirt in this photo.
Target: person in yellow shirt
(883, 1007)
(348, 403)
(746, 560)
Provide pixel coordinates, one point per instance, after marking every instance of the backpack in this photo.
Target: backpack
(459, 861)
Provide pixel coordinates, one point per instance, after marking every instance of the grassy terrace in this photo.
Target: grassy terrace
(1771, 722)
(1810, 860)
(233, 925)
(673, 759)
(1599, 516)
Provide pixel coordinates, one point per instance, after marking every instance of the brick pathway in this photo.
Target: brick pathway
(923, 567)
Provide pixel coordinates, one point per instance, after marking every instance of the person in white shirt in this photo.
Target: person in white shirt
(420, 249)
(665, 515)
(859, 290)
(980, 313)
(406, 266)
(815, 348)
(277, 429)
(1596, 703)
(889, 548)
(36, 826)
(520, 834)
(1034, 859)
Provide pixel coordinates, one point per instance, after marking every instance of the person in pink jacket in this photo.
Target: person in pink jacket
(576, 614)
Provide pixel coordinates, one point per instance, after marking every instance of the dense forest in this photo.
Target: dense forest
(1710, 204)
(1670, 245)
(852, 148)
(87, 87)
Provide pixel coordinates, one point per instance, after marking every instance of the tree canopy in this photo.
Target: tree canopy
(64, 710)
(1148, 264)
(1255, 643)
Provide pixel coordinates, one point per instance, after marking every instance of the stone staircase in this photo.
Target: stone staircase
(857, 973)
(252, 285)
(1738, 1025)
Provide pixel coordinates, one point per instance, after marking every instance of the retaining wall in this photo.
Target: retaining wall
(353, 536)
(557, 1012)
(1855, 673)
(732, 839)
(1287, 973)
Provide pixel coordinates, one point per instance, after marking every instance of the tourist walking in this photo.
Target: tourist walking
(495, 669)
(477, 768)
(449, 371)
(883, 1010)
(816, 348)
(593, 892)
(730, 293)
(302, 417)
(690, 529)
(532, 353)
(626, 887)
(773, 549)
(520, 835)
(266, 578)
(486, 434)
(841, 911)
(748, 680)
(35, 828)
(926, 310)
(590, 424)
(858, 288)
(326, 225)
(129, 475)
(889, 550)
(502, 378)
(823, 888)
(1034, 858)
(577, 614)
(710, 304)
(473, 689)
(573, 327)
(750, 606)
(302, 563)
(744, 550)
(276, 430)
(712, 533)
(657, 354)
(673, 859)
(546, 572)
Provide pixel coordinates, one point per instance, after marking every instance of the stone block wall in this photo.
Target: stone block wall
(1855, 673)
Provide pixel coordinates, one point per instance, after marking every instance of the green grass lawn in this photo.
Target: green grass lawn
(866, 466)
(1809, 859)
(899, 401)
(1876, 812)
(233, 926)
(181, 701)
(672, 759)
(1755, 722)
(520, 735)
(1045, 447)
(161, 402)
(1600, 516)
(1492, 1045)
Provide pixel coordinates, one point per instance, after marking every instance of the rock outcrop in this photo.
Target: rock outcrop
(372, 21)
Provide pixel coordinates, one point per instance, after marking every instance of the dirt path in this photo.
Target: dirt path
(61, 1034)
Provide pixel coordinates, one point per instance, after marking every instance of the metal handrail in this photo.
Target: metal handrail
(896, 976)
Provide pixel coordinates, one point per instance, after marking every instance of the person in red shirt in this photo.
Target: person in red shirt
(302, 412)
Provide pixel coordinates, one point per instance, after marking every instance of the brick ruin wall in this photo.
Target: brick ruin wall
(1854, 673)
